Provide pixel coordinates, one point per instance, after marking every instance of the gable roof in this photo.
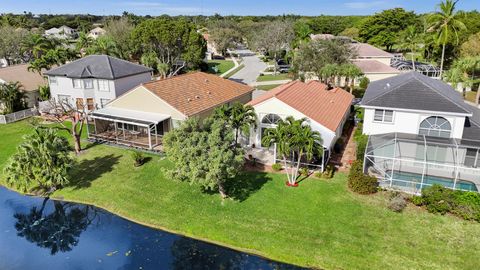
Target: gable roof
(471, 130)
(195, 92)
(414, 91)
(326, 107)
(373, 66)
(100, 67)
(30, 81)
(367, 50)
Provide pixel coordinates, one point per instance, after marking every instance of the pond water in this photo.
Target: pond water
(37, 233)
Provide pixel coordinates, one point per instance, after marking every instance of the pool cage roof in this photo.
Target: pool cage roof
(424, 68)
(411, 162)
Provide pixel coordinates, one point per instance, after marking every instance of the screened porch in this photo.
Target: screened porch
(412, 162)
(129, 128)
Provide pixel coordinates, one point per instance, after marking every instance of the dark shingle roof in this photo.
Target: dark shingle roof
(100, 67)
(414, 91)
(472, 126)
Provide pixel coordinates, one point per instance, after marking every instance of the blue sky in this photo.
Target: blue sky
(225, 7)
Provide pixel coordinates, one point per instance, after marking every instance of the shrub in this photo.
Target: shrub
(467, 205)
(318, 174)
(397, 203)
(438, 199)
(359, 182)
(138, 158)
(277, 167)
(329, 172)
(417, 200)
(304, 171)
(364, 81)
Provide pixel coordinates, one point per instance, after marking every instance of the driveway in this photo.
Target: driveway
(252, 67)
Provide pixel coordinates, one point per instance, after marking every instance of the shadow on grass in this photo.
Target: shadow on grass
(87, 171)
(246, 184)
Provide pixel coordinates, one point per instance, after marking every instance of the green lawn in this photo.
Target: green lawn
(267, 87)
(278, 77)
(234, 71)
(221, 65)
(318, 224)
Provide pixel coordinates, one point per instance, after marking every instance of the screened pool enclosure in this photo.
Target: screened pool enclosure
(412, 162)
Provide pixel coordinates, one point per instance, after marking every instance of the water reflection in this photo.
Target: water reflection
(57, 231)
(37, 233)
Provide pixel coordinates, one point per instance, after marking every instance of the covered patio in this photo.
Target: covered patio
(129, 128)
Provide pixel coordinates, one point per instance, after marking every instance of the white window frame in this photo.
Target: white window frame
(106, 85)
(85, 84)
(435, 128)
(53, 80)
(79, 85)
(383, 116)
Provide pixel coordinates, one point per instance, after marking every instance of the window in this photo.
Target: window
(103, 102)
(271, 119)
(103, 85)
(88, 84)
(435, 126)
(77, 83)
(63, 99)
(53, 79)
(90, 104)
(129, 127)
(471, 158)
(384, 116)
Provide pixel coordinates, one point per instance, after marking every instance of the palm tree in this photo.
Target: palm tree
(295, 140)
(103, 45)
(444, 23)
(410, 39)
(351, 72)
(240, 117)
(463, 71)
(12, 96)
(36, 45)
(83, 42)
(329, 72)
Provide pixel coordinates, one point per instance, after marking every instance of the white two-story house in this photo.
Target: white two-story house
(421, 132)
(95, 80)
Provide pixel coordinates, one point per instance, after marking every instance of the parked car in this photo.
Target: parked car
(283, 66)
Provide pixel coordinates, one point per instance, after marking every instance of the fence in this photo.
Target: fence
(17, 116)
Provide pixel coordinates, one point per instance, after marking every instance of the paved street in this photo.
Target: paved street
(253, 67)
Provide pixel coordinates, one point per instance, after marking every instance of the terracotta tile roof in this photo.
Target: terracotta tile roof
(195, 92)
(326, 107)
(367, 50)
(374, 66)
(29, 80)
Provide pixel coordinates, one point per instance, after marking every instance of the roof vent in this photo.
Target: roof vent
(197, 97)
(206, 80)
(208, 92)
(189, 99)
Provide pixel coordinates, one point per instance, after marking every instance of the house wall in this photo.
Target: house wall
(276, 106)
(377, 76)
(405, 121)
(64, 86)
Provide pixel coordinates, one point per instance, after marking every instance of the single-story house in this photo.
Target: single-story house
(367, 51)
(29, 80)
(63, 32)
(375, 70)
(421, 132)
(141, 116)
(326, 110)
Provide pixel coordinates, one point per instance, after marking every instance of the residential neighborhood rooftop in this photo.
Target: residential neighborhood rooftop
(415, 91)
(100, 67)
(195, 92)
(19, 73)
(367, 50)
(313, 99)
(373, 66)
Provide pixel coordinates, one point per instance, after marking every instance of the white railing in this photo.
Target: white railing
(17, 116)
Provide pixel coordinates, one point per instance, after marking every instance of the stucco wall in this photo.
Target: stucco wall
(377, 76)
(276, 106)
(408, 122)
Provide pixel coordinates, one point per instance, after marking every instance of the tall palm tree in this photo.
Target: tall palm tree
(329, 71)
(295, 141)
(351, 72)
(36, 45)
(410, 39)
(103, 45)
(463, 71)
(83, 43)
(12, 96)
(240, 117)
(445, 23)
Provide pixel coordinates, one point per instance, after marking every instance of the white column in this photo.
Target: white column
(149, 138)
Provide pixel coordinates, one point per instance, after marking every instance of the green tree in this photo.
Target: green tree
(35, 45)
(295, 141)
(203, 154)
(382, 28)
(11, 43)
(44, 91)
(103, 45)
(120, 31)
(238, 116)
(444, 23)
(471, 47)
(41, 162)
(409, 39)
(83, 43)
(351, 32)
(12, 97)
(463, 72)
(225, 38)
(176, 42)
(351, 72)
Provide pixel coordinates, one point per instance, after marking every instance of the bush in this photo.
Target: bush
(329, 172)
(417, 200)
(359, 182)
(467, 205)
(318, 174)
(438, 199)
(364, 81)
(277, 167)
(138, 158)
(397, 203)
(304, 171)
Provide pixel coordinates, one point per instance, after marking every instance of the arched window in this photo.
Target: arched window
(435, 126)
(271, 119)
